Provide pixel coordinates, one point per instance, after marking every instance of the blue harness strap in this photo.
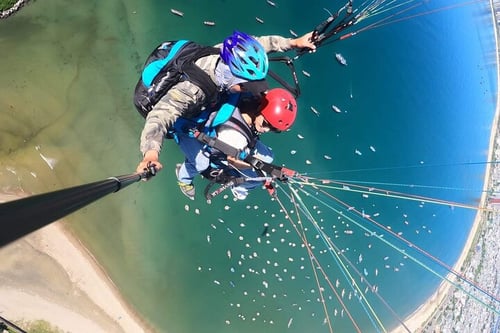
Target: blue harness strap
(226, 110)
(151, 71)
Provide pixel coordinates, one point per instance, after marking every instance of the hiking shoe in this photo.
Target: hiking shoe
(239, 193)
(187, 189)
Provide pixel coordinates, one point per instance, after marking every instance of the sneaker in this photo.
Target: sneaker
(187, 189)
(239, 193)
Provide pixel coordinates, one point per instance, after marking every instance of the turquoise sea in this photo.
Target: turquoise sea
(417, 99)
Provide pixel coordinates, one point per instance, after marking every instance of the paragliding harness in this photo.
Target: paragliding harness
(170, 63)
(266, 172)
(204, 127)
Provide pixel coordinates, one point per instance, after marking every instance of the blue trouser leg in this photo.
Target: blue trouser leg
(195, 161)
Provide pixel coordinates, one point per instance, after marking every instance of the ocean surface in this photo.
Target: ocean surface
(417, 99)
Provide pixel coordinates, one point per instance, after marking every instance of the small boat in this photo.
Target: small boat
(316, 112)
(340, 58)
(293, 33)
(209, 23)
(306, 73)
(258, 19)
(336, 108)
(177, 12)
(271, 3)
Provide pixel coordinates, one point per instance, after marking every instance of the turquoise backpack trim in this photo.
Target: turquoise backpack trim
(226, 110)
(151, 70)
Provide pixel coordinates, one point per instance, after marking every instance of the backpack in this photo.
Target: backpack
(170, 63)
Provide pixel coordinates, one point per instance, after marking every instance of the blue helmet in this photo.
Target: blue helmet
(245, 56)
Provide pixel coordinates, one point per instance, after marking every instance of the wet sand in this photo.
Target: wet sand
(50, 275)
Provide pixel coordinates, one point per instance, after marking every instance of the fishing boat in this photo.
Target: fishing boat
(336, 108)
(340, 58)
(316, 112)
(209, 23)
(177, 12)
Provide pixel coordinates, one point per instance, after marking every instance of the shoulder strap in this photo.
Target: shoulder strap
(226, 110)
(194, 73)
(244, 129)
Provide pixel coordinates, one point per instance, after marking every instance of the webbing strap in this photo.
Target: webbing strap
(218, 144)
(226, 110)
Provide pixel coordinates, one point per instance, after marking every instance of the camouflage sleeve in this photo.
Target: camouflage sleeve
(275, 43)
(183, 99)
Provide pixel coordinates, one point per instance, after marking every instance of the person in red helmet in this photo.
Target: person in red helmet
(239, 62)
(239, 128)
(279, 109)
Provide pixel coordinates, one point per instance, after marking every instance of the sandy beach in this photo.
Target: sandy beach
(418, 318)
(50, 275)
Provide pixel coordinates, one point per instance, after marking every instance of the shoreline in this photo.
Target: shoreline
(417, 321)
(14, 9)
(78, 297)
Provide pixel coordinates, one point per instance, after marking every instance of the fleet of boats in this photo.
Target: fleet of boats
(340, 58)
(181, 14)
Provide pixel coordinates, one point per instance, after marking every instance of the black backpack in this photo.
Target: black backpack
(170, 63)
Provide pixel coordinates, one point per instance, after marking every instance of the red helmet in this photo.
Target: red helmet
(279, 108)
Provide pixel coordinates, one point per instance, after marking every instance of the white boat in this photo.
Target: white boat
(258, 19)
(271, 3)
(209, 23)
(336, 108)
(316, 112)
(340, 58)
(177, 12)
(306, 73)
(293, 33)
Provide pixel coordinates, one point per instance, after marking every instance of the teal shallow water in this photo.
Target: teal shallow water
(424, 92)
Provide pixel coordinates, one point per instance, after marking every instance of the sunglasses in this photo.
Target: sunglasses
(267, 125)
